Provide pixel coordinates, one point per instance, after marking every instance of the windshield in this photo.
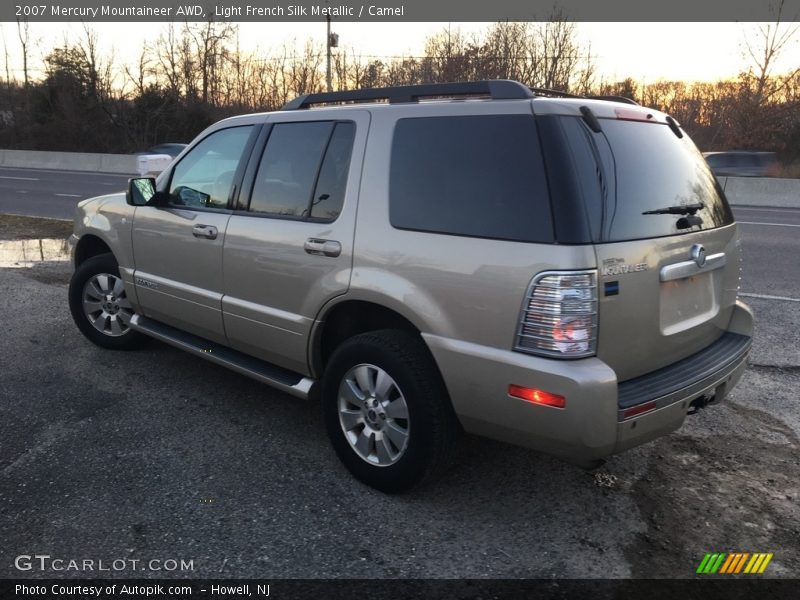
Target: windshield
(639, 177)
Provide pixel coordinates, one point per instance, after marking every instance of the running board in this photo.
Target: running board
(273, 375)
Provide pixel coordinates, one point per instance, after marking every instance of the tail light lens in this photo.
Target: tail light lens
(559, 315)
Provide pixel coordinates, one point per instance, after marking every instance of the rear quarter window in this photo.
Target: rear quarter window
(479, 176)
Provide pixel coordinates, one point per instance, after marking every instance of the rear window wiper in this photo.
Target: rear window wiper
(683, 209)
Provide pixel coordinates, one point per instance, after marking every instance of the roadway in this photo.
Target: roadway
(50, 193)
(770, 250)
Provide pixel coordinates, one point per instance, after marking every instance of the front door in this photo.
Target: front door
(178, 248)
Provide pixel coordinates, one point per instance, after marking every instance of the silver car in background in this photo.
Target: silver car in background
(741, 163)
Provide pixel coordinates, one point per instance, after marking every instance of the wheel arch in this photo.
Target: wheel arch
(350, 317)
(88, 246)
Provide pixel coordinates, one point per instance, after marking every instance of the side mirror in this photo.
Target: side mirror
(142, 191)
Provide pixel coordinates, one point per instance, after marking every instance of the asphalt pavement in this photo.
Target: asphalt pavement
(53, 194)
(771, 251)
(155, 456)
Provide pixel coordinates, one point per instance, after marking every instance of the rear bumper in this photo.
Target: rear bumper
(718, 368)
(593, 424)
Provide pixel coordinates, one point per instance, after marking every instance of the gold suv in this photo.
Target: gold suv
(553, 271)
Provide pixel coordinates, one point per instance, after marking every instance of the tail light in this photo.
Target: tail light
(559, 315)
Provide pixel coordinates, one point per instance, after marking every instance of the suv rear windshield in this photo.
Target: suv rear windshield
(644, 167)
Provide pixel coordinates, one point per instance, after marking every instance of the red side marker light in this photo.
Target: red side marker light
(638, 410)
(536, 396)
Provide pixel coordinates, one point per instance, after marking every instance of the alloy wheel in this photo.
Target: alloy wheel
(374, 415)
(106, 305)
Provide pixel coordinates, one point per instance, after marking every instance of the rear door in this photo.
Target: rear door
(288, 249)
(666, 245)
(178, 247)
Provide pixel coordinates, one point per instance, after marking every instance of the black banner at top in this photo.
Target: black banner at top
(91, 11)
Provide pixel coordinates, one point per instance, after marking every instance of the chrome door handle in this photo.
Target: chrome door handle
(208, 232)
(687, 268)
(322, 247)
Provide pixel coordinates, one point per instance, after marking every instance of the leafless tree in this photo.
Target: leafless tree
(764, 52)
(559, 53)
(305, 71)
(139, 73)
(168, 55)
(89, 51)
(5, 55)
(450, 55)
(23, 32)
(543, 54)
(209, 44)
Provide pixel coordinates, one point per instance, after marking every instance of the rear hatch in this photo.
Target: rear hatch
(666, 244)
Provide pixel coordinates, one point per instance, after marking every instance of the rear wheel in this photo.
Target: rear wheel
(387, 411)
(100, 306)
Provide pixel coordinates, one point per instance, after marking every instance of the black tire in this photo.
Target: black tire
(433, 428)
(98, 265)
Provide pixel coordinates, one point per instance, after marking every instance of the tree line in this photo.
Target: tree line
(195, 74)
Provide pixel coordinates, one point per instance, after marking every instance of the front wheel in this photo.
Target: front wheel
(387, 411)
(100, 306)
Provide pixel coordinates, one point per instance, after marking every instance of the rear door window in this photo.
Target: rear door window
(289, 168)
(303, 170)
(479, 176)
(332, 181)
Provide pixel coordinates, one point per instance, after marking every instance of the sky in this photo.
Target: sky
(647, 52)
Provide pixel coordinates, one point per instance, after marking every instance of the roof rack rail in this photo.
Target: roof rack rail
(496, 89)
(553, 93)
(623, 99)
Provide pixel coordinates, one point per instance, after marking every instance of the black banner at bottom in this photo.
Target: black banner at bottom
(325, 589)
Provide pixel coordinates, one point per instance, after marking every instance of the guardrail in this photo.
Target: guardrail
(741, 191)
(762, 191)
(124, 164)
(69, 161)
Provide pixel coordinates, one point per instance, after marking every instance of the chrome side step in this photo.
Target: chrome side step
(277, 377)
